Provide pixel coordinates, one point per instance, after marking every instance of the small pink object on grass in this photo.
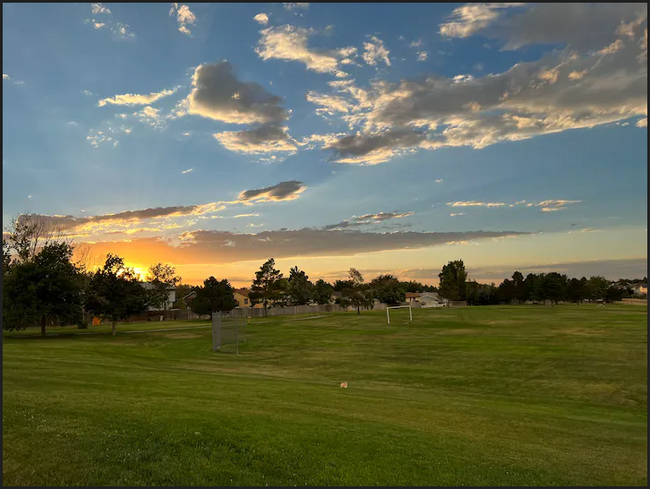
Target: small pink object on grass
(344, 385)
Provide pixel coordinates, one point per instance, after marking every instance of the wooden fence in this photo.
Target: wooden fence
(255, 312)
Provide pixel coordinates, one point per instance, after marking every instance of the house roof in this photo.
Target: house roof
(337, 294)
(412, 295)
(148, 285)
(243, 292)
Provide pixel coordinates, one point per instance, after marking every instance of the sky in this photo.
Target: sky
(387, 137)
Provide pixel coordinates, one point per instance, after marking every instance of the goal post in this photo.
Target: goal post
(227, 331)
(399, 307)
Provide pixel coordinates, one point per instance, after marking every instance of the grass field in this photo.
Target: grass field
(527, 395)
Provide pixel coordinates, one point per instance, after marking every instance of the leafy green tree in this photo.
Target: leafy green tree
(554, 287)
(533, 287)
(162, 278)
(453, 279)
(387, 289)
(300, 288)
(266, 286)
(615, 293)
(597, 288)
(6, 257)
(358, 295)
(576, 290)
(115, 292)
(322, 292)
(507, 291)
(213, 296)
(45, 289)
(519, 287)
(341, 285)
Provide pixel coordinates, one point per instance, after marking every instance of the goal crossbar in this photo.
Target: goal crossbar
(399, 307)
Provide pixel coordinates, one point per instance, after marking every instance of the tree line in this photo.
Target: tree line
(43, 286)
(543, 287)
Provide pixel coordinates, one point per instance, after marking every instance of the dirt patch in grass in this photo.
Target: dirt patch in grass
(180, 336)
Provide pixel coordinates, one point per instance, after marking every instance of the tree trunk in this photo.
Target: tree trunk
(114, 328)
(43, 320)
(358, 309)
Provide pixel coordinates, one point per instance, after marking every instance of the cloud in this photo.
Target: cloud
(98, 8)
(373, 149)
(367, 219)
(375, 52)
(268, 138)
(455, 214)
(471, 203)
(219, 95)
(134, 99)
(292, 6)
(329, 104)
(642, 122)
(439, 180)
(151, 117)
(563, 90)
(422, 55)
(5, 76)
(586, 26)
(556, 205)
(121, 31)
(261, 18)
(224, 247)
(469, 19)
(289, 43)
(187, 171)
(97, 138)
(184, 16)
(282, 191)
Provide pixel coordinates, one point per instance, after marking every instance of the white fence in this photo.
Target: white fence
(289, 310)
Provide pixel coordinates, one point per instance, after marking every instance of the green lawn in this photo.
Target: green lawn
(528, 395)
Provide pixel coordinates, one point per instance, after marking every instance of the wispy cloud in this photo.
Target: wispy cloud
(184, 16)
(375, 52)
(292, 6)
(135, 99)
(187, 171)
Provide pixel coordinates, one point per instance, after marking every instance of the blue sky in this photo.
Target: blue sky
(359, 131)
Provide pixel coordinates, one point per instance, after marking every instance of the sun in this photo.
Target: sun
(140, 272)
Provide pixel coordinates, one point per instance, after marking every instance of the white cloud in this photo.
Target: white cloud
(329, 104)
(455, 214)
(471, 18)
(289, 43)
(121, 31)
(262, 18)
(556, 205)
(5, 76)
(375, 51)
(187, 171)
(264, 139)
(184, 17)
(292, 6)
(134, 99)
(471, 203)
(439, 180)
(422, 55)
(98, 25)
(97, 138)
(642, 122)
(98, 8)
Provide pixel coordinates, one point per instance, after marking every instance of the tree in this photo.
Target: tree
(300, 288)
(387, 289)
(28, 234)
(162, 278)
(453, 279)
(614, 293)
(43, 289)
(114, 292)
(341, 285)
(6, 257)
(213, 296)
(358, 295)
(533, 287)
(519, 287)
(265, 287)
(576, 290)
(322, 293)
(507, 291)
(597, 288)
(554, 287)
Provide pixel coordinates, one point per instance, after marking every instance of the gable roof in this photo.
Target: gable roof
(412, 295)
(243, 292)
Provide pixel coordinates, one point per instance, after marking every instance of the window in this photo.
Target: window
(245, 301)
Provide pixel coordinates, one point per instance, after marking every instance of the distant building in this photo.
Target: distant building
(432, 299)
(413, 297)
(640, 289)
(169, 302)
(242, 298)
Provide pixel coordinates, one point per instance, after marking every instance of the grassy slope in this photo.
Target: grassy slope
(492, 395)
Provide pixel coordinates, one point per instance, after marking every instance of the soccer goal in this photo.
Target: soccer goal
(228, 332)
(399, 307)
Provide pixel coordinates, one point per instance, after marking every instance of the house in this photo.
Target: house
(242, 298)
(432, 299)
(171, 297)
(640, 289)
(412, 297)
